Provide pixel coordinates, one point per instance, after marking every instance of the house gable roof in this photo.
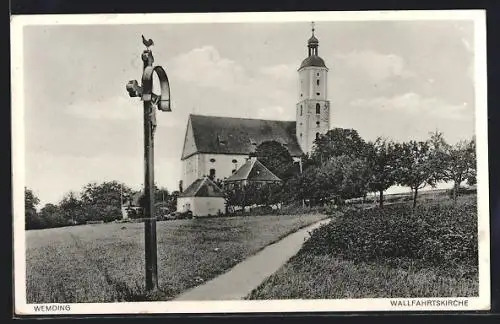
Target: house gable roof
(228, 135)
(203, 187)
(253, 170)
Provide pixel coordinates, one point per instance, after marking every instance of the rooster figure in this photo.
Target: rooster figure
(147, 42)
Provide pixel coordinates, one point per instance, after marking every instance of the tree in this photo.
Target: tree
(346, 177)
(103, 202)
(274, 156)
(161, 194)
(269, 194)
(242, 195)
(172, 201)
(339, 178)
(456, 163)
(31, 217)
(52, 216)
(381, 160)
(415, 167)
(72, 209)
(338, 142)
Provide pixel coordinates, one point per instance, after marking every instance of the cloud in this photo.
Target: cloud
(415, 105)
(119, 108)
(226, 84)
(204, 66)
(275, 112)
(376, 66)
(114, 108)
(285, 72)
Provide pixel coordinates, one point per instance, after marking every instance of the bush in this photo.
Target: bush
(461, 191)
(433, 234)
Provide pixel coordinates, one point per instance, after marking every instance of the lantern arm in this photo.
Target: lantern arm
(147, 87)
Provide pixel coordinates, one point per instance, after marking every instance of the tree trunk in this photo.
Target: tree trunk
(415, 193)
(381, 198)
(455, 191)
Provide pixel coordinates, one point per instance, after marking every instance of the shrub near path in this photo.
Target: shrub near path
(389, 252)
(105, 262)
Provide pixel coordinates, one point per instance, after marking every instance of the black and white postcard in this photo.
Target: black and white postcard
(250, 162)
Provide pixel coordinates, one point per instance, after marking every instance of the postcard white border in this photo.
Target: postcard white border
(355, 305)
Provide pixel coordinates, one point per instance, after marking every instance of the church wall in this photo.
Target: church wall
(199, 165)
(202, 206)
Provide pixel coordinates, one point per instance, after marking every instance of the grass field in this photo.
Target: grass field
(105, 262)
(361, 269)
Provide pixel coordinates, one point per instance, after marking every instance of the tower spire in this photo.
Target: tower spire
(313, 42)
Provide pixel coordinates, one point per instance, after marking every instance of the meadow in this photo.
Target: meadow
(105, 262)
(388, 252)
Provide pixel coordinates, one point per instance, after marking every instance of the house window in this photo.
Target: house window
(212, 174)
(318, 108)
(317, 82)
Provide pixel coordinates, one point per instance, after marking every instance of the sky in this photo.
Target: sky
(397, 79)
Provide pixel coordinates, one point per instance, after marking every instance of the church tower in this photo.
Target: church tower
(313, 107)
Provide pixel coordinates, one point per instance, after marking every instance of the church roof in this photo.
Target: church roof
(313, 60)
(253, 170)
(203, 187)
(228, 135)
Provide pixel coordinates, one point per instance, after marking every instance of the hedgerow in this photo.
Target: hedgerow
(433, 234)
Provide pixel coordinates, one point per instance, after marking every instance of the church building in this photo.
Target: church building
(217, 147)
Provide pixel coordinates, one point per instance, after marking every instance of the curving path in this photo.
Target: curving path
(247, 275)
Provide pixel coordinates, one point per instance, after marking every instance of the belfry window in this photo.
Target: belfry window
(318, 108)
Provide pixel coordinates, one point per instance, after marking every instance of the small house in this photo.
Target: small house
(253, 171)
(203, 198)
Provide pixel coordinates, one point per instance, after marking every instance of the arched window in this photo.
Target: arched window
(301, 110)
(317, 135)
(318, 108)
(317, 124)
(212, 174)
(317, 82)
